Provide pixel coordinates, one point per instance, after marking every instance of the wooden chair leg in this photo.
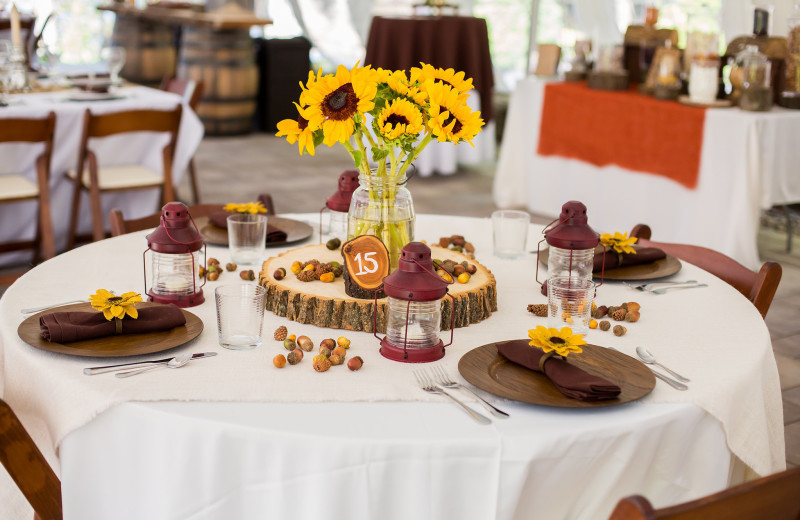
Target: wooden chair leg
(168, 193)
(193, 180)
(48, 241)
(76, 207)
(94, 200)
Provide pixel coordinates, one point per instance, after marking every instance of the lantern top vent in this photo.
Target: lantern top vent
(572, 230)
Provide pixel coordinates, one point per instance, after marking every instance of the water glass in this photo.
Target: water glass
(247, 238)
(570, 303)
(510, 233)
(240, 315)
(115, 58)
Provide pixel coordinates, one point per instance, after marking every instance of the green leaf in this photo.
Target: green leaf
(357, 156)
(378, 154)
(319, 136)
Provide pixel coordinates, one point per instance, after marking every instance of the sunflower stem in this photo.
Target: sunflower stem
(415, 153)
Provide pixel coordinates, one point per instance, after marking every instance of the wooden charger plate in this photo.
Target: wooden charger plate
(294, 229)
(658, 269)
(123, 345)
(485, 368)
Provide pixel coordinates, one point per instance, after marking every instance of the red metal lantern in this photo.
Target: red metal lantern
(338, 205)
(413, 322)
(175, 259)
(572, 244)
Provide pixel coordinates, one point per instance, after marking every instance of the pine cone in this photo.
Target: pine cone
(313, 262)
(280, 333)
(306, 276)
(322, 269)
(539, 309)
(619, 314)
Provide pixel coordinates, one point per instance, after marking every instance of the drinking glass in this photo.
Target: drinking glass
(570, 303)
(5, 70)
(247, 238)
(115, 58)
(510, 233)
(240, 315)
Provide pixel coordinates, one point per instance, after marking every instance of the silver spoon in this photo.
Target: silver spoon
(176, 362)
(650, 359)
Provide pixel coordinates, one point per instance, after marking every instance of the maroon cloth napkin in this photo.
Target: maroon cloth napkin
(570, 380)
(220, 219)
(644, 255)
(64, 327)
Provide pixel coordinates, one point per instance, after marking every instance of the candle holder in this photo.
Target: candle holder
(18, 70)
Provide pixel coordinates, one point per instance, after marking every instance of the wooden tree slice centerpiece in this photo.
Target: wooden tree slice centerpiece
(328, 305)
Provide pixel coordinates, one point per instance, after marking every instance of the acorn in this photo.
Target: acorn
(279, 273)
(305, 343)
(355, 363)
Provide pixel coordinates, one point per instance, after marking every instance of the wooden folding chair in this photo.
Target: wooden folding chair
(774, 497)
(16, 188)
(28, 467)
(120, 226)
(758, 287)
(96, 179)
(191, 91)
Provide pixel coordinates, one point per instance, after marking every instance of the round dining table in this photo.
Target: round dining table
(232, 436)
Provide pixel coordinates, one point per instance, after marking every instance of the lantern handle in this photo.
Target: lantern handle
(452, 319)
(163, 224)
(144, 268)
(375, 313)
(538, 252)
(602, 270)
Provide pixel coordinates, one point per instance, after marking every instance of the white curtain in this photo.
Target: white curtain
(337, 28)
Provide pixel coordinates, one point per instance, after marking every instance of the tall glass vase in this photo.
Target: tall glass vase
(382, 206)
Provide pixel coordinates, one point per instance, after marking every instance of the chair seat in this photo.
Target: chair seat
(17, 187)
(120, 177)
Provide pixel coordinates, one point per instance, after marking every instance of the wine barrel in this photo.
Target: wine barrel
(224, 60)
(150, 49)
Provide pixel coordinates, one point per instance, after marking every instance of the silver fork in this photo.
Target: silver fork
(646, 287)
(426, 384)
(445, 381)
(31, 310)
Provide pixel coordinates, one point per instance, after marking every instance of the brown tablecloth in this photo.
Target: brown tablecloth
(458, 42)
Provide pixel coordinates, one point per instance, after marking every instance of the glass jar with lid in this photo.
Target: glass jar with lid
(754, 70)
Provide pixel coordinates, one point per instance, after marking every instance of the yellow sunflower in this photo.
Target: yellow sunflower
(563, 341)
(300, 130)
(620, 242)
(450, 118)
(399, 83)
(337, 98)
(399, 118)
(116, 306)
(247, 207)
(447, 77)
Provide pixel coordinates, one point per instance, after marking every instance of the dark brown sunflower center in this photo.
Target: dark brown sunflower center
(341, 104)
(555, 340)
(302, 123)
(396, 119)
(456, 127)
(114, 300)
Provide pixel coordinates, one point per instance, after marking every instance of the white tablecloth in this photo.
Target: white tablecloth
(19, 220)
(749, 162)
(305, 445)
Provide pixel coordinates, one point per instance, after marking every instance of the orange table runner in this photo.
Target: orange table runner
(627, 129)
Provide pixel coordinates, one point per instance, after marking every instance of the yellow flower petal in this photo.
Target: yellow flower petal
(132, 312)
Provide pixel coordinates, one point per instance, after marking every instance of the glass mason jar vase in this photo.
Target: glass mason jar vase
(382, 206)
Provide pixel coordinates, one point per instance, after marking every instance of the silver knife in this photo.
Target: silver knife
(125, 366)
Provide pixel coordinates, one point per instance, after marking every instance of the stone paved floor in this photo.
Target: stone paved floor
(237, 169)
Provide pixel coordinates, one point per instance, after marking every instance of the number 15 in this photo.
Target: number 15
(368, 258)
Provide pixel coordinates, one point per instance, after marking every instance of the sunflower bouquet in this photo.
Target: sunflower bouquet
(386, 118)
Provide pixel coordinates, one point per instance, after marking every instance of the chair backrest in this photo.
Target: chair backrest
(758, 287)
(190, 90)
(28, 130)
(28, 467)
(120, 226)
(774, 497)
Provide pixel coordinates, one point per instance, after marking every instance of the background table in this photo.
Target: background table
(19, 220)
(292, 443)
(749, 163)
(457, 42)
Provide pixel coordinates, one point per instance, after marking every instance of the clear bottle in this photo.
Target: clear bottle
(793, 55)
(702, 36)
(382, 206)
(755, 69)
(424, 320)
